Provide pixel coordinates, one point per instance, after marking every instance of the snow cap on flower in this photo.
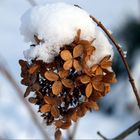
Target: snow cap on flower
(56, 25)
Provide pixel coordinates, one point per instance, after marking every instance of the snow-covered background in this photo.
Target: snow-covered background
(15, 121)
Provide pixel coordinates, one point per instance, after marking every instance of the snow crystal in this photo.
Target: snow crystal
(57, 24)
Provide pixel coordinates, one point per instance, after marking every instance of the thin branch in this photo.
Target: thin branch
(124, 134)
(71, 135)
(132, 82)
(13, 82)
(32, 2)
(102, 136)
(128, 131)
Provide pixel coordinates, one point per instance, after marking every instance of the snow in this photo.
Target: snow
(19, 125)
(56, 25)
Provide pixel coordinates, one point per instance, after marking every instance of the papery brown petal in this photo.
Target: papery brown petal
(99, 86)
(57, 87)
(89, 50)
(92, 105)
(94, 67)
(77, 65)
(97, 78)
(32, 100)
(35, 87)
(33, 69)
(99, 71)
(23, 63)
(88, 90)
(110, 78)
(74, 117)
(95, 96)
(66, 55)
(49, 100)
(58, 123)
(67, 83)
(67, 65)
(58, 135)
(77, 51)
(85, 79)
(107, 88)
(106, 65)
(51, 76)
(82, 110)
(77, 38)
(55, 111)
(84, 43)
(66, 125)
(45, 108)
(106, 58)
(27, 92)
(63, 74)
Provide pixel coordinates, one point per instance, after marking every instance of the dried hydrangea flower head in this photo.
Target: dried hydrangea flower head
(68, 70)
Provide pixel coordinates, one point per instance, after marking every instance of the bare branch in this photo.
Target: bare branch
(32, 2)
(102, 136)
(128, 131)
(132, 82)
(13, 82)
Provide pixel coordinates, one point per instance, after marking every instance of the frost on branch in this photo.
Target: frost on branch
(68, 65)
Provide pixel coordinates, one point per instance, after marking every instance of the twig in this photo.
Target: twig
(71, 135)
(132, 82)
(128, 131)
(102, 136)
(13, 82)
(32, 2)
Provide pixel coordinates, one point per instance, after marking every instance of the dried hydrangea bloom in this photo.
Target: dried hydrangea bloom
(68, 70)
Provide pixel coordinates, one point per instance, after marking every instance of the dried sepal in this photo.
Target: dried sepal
(67, 83)
(67, 65)
(57, 87)
(55, 111)
(88, 90)
(45, 108)
(33, 69)
(51, 76)
(66, 55)
(77, 65)
(77, 51)
(63, 73)
(85, 79)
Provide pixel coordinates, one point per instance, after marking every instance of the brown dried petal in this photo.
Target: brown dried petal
(99, 71)
(77, 65)
(58, 123)
(99, 86)
(66, 55)
(89, 50)
(107, 88)
(67, 83)
(94, 67)
(58, 135)
(92, 105)
(45, 108)
(63, 74)
(77, 51)
(66, 125)
(85, 79)
(33, 69)
(84, 42)
(74, 117)
(55, 111)
(27, 92)
(57, 87)
(106, 65)
(82, 110)
(51, 76)
(88, 90)
(106, 58)
(109, 78)
(49, 100)
(67, 65)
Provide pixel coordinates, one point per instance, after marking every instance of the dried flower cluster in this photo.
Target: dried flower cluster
(67, 88)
